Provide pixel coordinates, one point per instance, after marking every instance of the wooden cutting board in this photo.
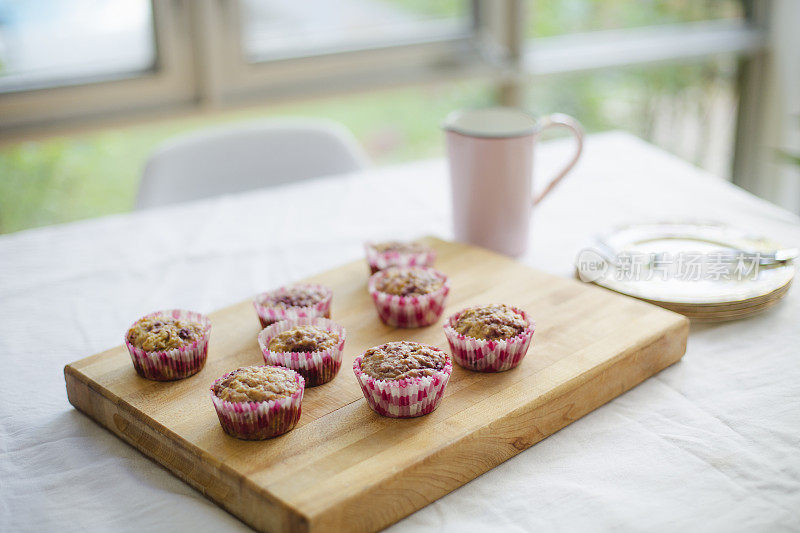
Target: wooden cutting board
(344, 467)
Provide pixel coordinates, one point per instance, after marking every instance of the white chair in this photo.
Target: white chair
(247, 156)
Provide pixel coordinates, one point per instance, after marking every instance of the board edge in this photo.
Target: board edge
(125, 424)
(339, 517)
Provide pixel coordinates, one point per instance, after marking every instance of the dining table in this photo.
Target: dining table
(711, 443)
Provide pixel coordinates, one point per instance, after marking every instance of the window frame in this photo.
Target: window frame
(201, 64)
(169, 83)
(235, 79)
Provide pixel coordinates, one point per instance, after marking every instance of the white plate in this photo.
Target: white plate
(676, 280)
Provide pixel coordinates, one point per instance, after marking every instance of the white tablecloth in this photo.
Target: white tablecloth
(712, 443)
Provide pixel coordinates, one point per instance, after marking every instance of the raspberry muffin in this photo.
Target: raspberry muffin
(258, 402)
(409, 297)
(169, 345)
(304, 300)
(310, 346)
(403, 379)
(387, 254)
(489, 338)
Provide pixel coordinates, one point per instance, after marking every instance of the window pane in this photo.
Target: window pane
(58, 42)
(286, 28)
(556, 17)
(687, 109)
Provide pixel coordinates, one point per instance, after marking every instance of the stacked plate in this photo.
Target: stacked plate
(707, 271)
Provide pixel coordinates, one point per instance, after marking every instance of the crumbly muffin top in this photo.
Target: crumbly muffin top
(294, 296)
(490, 322)
(401, 360)
(304, 339)
(160, 333)
(400, 247)
(408, 282)
(257, 384)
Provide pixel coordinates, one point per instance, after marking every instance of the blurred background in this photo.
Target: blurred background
(88, 88)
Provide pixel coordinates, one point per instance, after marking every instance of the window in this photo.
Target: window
(125, 56)
(274, 29)
(51, 42)
(547, 18)
(670, 71)
(73, 61)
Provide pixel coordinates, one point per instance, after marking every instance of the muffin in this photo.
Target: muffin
(304, 339)
(403, 379)
(409, 297)
(258, 402)
(490, 322)
(305, 300)
(387, 254)
(310, 346)
(169, 345)
(489, 338)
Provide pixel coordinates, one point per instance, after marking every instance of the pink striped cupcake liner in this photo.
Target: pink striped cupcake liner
(404, 398)
(488, 355)
(178, 363)
(409, 311)
(259, 420)
(316, 367)
(381, 260)
(269, 315)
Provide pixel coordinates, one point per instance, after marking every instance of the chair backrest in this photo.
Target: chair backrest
(246, 156)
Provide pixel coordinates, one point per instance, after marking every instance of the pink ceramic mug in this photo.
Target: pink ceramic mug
(491, 164)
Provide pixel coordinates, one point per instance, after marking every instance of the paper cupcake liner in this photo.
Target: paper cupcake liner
(316, 367)
(259, 420)
(488, 355)
(405, 398)
(178, 363)
(409, 311)
(270, 315)
(381, 260)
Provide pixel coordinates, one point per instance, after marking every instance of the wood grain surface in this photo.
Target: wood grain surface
(344, 467)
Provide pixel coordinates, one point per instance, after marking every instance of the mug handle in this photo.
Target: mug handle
(564, 121)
